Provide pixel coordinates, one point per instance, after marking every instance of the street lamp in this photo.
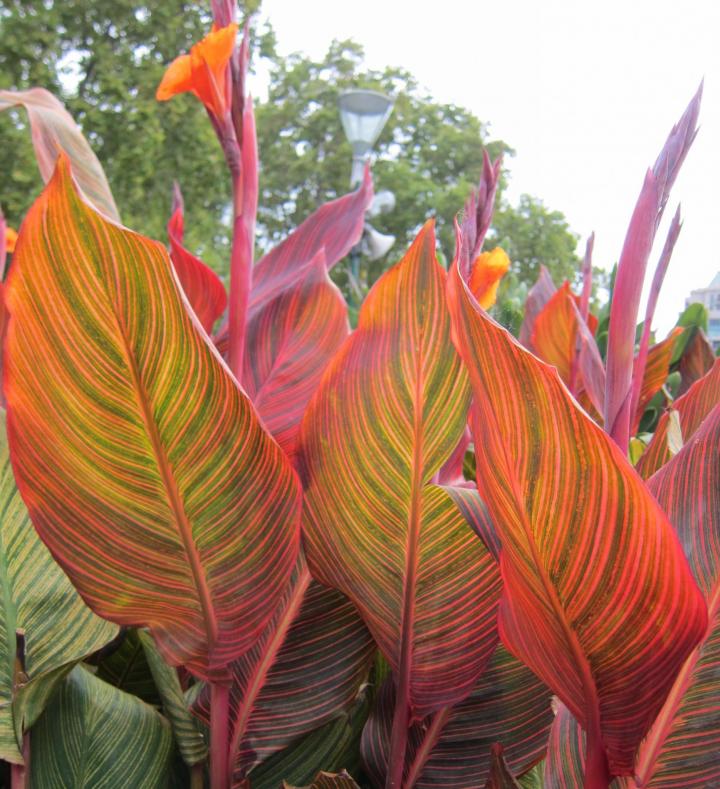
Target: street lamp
(363, 114)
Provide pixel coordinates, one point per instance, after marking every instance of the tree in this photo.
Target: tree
(105, 59)
(532, 235)
(429, 154)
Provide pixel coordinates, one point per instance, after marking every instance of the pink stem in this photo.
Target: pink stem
(597, 774)
(219, 725)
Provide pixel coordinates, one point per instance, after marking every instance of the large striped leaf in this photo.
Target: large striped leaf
(688, 488)
(390, 410)
(680, 751)
(290, 340)
(53, 131)
(583, 584)
(93, 736)
(39, 601)
(692, 409)
(452, 749)
(305, 670)
(144, 466)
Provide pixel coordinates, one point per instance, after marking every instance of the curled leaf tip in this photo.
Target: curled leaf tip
(485, 275)
(203, 72)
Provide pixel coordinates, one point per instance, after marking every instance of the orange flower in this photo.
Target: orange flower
(203, 72)
(485, 275)
(10, 239)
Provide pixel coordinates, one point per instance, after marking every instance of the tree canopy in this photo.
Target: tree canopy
(105, 59)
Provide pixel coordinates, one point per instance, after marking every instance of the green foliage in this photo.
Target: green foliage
(532, 235)
(429, 154)
(116, 51)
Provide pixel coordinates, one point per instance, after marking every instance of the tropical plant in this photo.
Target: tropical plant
(230, 525)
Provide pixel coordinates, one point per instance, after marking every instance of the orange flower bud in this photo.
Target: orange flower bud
(203, 72)
(487, 271)
(10, 239)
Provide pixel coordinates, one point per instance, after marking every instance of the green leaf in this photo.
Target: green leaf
(93, 735)
(190, 741)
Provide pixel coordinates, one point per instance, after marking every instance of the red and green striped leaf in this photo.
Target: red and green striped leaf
(305, 670)
(390, 410)
(201, 285)
(290, 341)
(54, 131)
(692, 409)
(582, 583)
(688, 488)
(452, 749)
(144, 466)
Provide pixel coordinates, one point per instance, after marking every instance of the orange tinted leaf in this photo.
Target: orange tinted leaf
(586, 582)
(657, 370)
(692, 409)
(144, 467)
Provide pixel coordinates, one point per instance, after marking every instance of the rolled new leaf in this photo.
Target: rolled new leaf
(188, 737)
(390, 410)
(591, 567)
(144, 466)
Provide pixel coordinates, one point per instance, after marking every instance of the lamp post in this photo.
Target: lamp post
(363, 113)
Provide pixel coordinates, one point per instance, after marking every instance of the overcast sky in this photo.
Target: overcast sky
(585, 93)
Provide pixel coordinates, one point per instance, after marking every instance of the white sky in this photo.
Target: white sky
(585, 92)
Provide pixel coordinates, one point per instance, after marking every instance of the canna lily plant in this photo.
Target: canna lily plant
(240, 543)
